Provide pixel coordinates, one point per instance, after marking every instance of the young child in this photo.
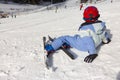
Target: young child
(92, 33)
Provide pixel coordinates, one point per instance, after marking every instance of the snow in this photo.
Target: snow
(21, 46)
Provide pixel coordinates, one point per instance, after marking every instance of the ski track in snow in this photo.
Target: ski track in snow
(22, 54)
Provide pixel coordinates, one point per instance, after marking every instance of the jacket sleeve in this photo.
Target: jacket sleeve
(106, 38)
(90, 44)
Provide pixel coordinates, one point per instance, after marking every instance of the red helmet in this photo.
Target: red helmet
(91, 14)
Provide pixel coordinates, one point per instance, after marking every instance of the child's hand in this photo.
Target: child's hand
(108, 41)
(90, 58)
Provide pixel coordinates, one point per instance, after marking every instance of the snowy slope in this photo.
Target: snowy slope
(21, 47)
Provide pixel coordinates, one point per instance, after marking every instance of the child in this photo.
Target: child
(92, 33)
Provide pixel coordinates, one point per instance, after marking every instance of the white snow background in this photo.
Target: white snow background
(21, 46)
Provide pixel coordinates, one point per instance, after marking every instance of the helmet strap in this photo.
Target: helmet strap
(91, 19)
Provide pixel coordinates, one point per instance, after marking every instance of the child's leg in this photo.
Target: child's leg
(57, 43)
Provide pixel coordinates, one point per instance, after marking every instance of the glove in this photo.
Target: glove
(90, 58)
(108, 41)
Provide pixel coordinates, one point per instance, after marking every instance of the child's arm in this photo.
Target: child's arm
(106, 39)
(91, 49)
